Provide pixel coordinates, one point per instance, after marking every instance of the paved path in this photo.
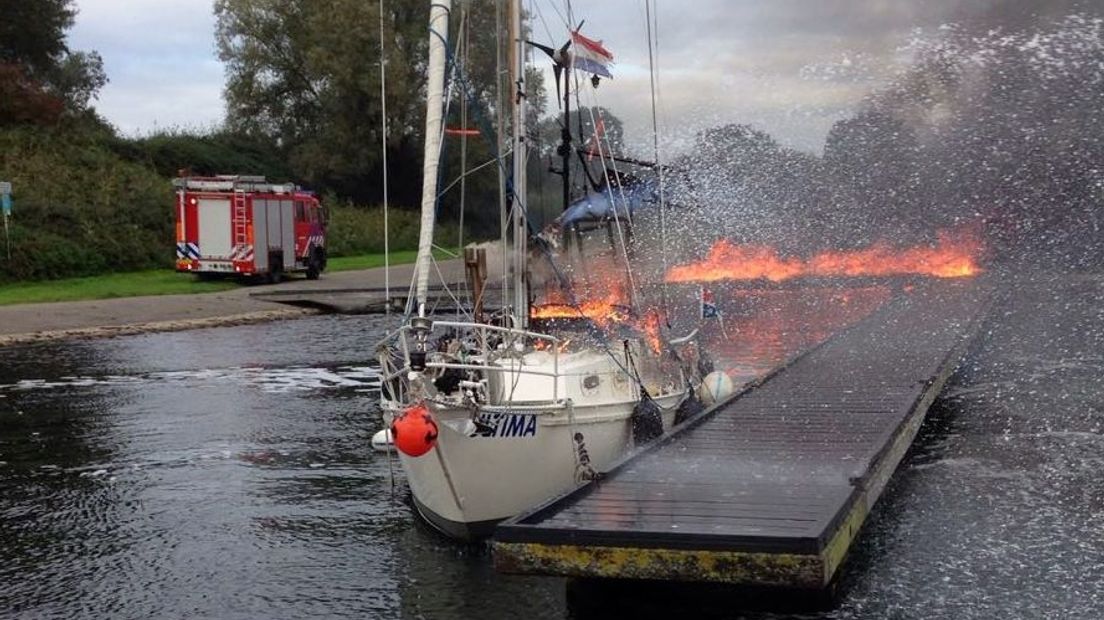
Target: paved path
(108, 317)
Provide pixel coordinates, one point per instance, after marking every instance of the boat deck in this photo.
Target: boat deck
(771, 487)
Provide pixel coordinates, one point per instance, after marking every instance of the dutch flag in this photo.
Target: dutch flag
(709, 309)
(590, 56)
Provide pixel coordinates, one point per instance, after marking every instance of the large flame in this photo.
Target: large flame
(601, 311)
(605, 311)
(953, 256)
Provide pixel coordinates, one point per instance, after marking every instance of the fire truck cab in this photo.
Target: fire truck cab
(246, 226)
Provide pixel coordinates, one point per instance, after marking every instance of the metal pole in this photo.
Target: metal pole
(501, 136)
(463, 52)
(521, 236)
(565, 136)
(7, 237)
(383, 144)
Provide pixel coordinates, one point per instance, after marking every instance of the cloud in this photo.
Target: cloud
(790, 67)
(160, 59)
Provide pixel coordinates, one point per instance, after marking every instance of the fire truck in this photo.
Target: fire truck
(246, 226)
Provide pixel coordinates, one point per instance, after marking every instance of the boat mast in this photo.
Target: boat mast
(435, 90)
(565, 131)
(383, 151)
(502, 99)
(521, 236)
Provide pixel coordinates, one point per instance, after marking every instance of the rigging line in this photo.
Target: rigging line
(565, 19)
(500, 137)
(573, 302)
(460, 308)
(470, 172)
(460, 81)
(655, 143)
(662, 111)
(383, 149)
(475, 108)
(445, 251)
(464, 44)
(408, 311)
(613, 205)
(609, 146)
(535, 9)
(456, 81)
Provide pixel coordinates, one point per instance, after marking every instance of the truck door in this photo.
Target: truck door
(287, 219)
(260, 234)
(302, 228)
(272, 237)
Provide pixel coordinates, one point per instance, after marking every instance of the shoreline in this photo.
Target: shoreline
(123, 316)
(151, 327)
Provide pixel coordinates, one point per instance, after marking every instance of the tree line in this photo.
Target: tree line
(998, 131)
(997, 128)
(303, 104)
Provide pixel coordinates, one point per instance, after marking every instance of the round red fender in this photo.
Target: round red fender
(414, 431)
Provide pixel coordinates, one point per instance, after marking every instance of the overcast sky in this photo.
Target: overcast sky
(160, 59)
(790, 67)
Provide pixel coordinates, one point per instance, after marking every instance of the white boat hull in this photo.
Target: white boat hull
(466, 484)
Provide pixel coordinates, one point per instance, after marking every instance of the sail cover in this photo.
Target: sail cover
(435, 90)
(597, 208)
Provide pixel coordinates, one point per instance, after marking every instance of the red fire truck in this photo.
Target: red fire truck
(247, 226)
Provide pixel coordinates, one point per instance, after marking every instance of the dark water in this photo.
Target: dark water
(226, 473)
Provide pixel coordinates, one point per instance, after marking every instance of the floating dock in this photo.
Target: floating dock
(771, 487)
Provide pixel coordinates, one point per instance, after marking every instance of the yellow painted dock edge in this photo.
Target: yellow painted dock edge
(667, 564)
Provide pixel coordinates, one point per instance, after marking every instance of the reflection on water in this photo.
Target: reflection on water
(760, 329)
(227, 473)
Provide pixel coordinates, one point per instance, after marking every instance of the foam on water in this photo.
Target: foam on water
(269, 380)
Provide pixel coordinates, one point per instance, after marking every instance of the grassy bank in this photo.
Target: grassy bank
(370, 261)
(162, 282)
(129, 284)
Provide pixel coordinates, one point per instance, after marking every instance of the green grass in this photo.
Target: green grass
(368, 261)
(130, 284)
(162, 282)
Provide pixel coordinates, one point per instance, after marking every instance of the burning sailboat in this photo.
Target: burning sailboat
(493, 414)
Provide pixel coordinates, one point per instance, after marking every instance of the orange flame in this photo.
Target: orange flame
(952, 257)
(604, 312)
(601, 311)
(650, 326)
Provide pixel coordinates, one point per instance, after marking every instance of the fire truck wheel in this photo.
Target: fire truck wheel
(315, 264)
(276, 273)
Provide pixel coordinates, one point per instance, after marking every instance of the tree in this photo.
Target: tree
(32, 34)
(873, 159)
(307, 75)
(41, 77)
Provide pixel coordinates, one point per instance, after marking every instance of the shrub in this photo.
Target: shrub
(355, 230)
(80, 208)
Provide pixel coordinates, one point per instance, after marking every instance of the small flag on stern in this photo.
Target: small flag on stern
(708, 305)
(709, 309)
(590, 56)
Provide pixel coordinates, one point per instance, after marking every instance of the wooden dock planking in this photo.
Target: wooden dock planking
(772, 487)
